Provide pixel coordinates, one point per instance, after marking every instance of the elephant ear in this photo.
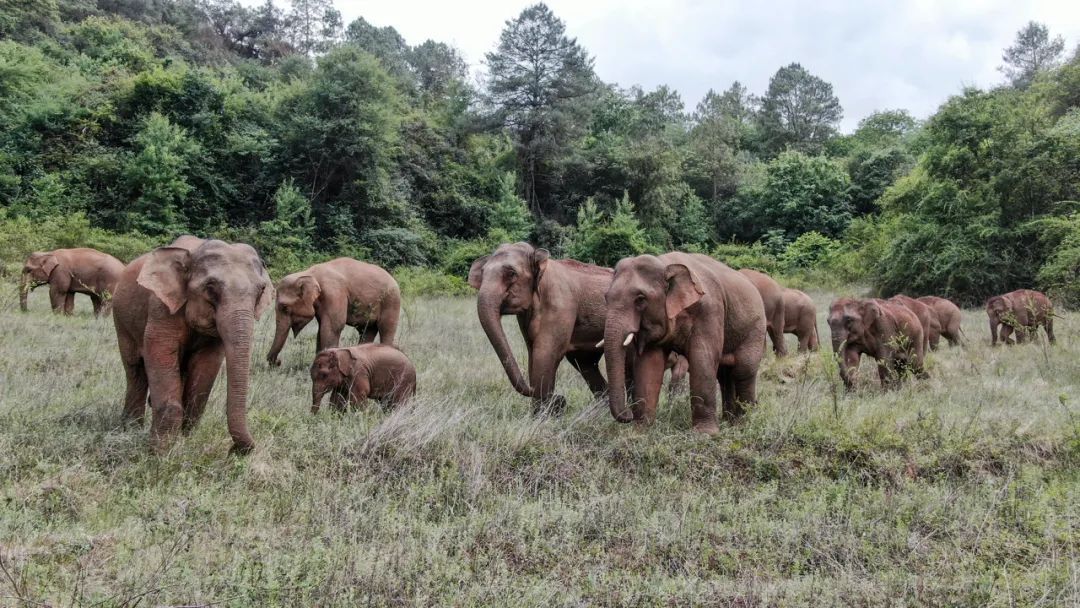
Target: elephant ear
(344, 359)
(540, 259)
(476, 272)
(683, 290)
(871, 312)
(165, 274)
(267, 297)
(309, 288)
(49, 264)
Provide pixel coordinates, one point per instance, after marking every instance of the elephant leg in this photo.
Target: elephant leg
(703, 384)
(588, 365)
(368, 333)
(359, 391)
(339, 399)
(137, 385)
(744, 385)
(69, 303)
(849, 365)
(776, 333)
(1048, 325)
(1006, 330)
(200, 371)
(727, 387)
(57, 298)
(97, 303)
(166, 392)
(649, 367)
(885, 374)
(329, 335)
(544, 359)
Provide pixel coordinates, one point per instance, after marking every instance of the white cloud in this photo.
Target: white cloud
(908, 54)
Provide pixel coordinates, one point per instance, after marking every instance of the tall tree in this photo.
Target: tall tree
(798, 111)
(1032, 52)
(537, 76)
(316, 25)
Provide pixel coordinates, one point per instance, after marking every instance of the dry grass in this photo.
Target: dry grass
(960, 490)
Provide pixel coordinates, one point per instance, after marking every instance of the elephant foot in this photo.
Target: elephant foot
(709, 428)
(241, 449)
(554, 406)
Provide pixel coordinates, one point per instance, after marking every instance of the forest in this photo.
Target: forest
(124, 123)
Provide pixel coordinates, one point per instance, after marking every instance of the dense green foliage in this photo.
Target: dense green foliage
(311, 138)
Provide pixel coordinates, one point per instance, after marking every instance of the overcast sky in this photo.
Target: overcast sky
(908, 54)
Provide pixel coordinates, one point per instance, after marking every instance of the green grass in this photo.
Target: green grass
(960, 490)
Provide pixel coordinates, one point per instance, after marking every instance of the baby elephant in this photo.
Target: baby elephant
(354, 374)
(1021, 311)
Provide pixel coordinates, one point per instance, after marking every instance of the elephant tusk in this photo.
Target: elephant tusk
(600, 344)
(629, 339)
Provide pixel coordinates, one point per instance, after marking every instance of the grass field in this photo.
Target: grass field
(960, 490)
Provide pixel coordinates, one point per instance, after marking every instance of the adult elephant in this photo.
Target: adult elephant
(340, 292)
(179, 310)
(800, 318)
(68, 272)
(885, 330)
(772, 296)
(559, 305)
(1021, 311)
(927, 318)
(949, 318)
(692, 305)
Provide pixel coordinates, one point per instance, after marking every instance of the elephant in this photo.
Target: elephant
(800, 318)
(68, 272)
(883, 329)
(340, 292)
(1021, 311)
(949, 318)
(697, 307)
(179, 311)
(772, 295)
(353, 375)
(560, 310)
(927, 318)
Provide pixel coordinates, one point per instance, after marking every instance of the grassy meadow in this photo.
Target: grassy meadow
(963, 489)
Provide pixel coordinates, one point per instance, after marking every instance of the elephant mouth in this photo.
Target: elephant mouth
(299, 326)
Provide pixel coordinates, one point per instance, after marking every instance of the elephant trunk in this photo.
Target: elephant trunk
(281, 333)
(25, 286)
(317, 394)
(615, 335)
(236, 332)
(487, 308)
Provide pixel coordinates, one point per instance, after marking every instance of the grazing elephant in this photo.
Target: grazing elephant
(927, 318)
(179, 310)
(339, 292)
(883, 329)
(949, 318)
(355, 374)
(772, 295)
(560, 309)
(1021, 311)
(800, 318)
(68, 272)
(692, 305)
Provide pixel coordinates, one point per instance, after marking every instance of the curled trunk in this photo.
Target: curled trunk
(236, 333)
(487, 308)
(615, 357)
(281, 333)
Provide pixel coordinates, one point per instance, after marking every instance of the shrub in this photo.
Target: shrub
(605, 241)
(461, 254)
(754, 256)
(810, 250)
(416, 281)
(394, 247)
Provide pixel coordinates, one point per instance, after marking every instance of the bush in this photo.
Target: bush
(394, 247)
(1060, 275)
(753, 256)
(461, 254)
(20, 235)
(605, 241)
(810, 250)
(416, 281)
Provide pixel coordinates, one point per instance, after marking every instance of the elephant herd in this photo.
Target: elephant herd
(182, 310)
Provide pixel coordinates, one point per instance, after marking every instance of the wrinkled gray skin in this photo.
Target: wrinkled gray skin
(559, 305)
(179, 311)
(68, 272)
(694, 306)
(354, 375)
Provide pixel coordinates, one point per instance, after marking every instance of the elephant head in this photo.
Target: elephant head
(644, 300)
(222, 289)
(331, 368)
(296, 297)
(506, 281)
(851, 320)
(36, 271)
